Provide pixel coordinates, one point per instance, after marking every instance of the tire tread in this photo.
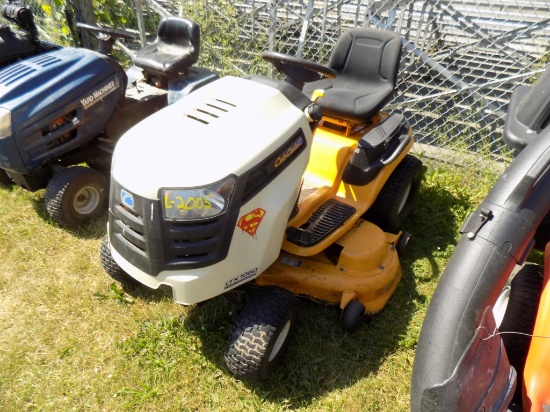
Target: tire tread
(255, 331)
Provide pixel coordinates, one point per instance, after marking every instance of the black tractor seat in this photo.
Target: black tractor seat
(366, 61)
(175, 49)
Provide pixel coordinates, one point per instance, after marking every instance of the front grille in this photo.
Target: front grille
(151, 244)
(130, 226)
(192, 242)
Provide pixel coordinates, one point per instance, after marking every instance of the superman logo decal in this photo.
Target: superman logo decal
(250, 222)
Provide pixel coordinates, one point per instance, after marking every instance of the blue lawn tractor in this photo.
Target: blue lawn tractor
(63, 107)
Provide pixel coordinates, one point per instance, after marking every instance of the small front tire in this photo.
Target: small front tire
(76, 195)
(352, 314)
(112, 268)
(261, 333)
(403, 243)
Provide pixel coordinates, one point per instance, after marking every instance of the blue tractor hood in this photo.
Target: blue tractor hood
(57, 101)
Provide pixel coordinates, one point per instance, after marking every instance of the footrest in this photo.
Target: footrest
(324, 221)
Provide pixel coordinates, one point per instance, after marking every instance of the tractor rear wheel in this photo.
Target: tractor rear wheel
(76, 195)
(261, 333)
(395, 201)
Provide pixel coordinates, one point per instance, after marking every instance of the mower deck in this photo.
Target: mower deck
(362, 265)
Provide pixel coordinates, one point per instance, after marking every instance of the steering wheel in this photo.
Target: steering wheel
(106, 31)
(299, 71)
(106, 36)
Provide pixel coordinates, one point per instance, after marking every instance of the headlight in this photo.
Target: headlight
(196, 203)
(5, 123)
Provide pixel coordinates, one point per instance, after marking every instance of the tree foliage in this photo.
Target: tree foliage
(50, 15)
(218, 40)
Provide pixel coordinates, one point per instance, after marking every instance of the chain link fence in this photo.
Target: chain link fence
(461, 58)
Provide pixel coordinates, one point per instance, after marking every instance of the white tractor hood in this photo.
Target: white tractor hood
(224, 128)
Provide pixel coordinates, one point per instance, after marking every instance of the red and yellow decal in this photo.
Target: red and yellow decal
(250, 222)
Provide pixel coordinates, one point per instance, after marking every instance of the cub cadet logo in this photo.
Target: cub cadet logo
(250, 222)
(100, 93)
(291, 149)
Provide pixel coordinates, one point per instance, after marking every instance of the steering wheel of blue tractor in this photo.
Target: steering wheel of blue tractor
(121, 34)
(106, 36)
(298, 71)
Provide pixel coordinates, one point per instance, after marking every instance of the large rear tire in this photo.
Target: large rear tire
(395, 201)
(261, 333)
(519, 318)
(76, 195)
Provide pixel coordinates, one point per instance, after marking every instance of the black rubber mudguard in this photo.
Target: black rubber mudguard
(496, 237)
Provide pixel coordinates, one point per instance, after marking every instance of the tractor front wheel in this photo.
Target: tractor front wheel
(260, 333)
(112, 268)
(76, 195)
(352, 315)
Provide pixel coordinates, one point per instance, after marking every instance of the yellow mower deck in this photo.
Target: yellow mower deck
(367, 270)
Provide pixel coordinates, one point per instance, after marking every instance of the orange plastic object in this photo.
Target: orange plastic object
(536, 375)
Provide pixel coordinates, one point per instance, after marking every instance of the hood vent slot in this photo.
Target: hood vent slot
(44, 60)
(15, 73)
(21, 70)
(210, 111)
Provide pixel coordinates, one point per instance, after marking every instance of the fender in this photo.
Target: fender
(495, 237)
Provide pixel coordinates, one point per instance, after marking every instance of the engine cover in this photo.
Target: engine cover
(59, 101)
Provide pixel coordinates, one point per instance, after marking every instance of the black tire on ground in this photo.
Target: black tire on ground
(28, 181)
(403, 243)
(76, 195)
(351, 315)
(261, 333)
(520, 316)
(112, 268)
(395, 201)
(5, 180)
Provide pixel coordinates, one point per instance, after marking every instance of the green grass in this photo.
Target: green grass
(71, 339)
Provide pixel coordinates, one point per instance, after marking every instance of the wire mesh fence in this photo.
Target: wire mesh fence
(461, 58)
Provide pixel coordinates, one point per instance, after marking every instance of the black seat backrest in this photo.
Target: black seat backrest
(367, 62)
(175, 49)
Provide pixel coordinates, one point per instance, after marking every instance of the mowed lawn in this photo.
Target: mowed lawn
(72, 339)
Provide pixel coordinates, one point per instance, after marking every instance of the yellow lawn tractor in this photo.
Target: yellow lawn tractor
(299, 186)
